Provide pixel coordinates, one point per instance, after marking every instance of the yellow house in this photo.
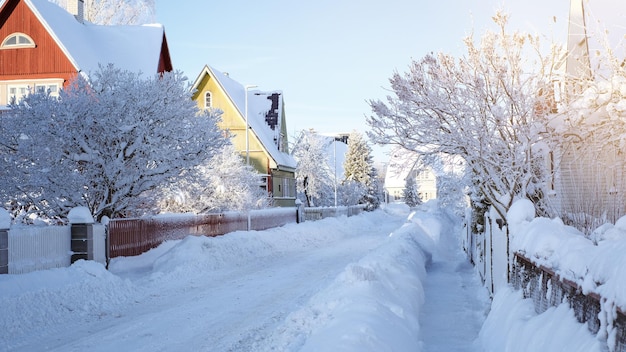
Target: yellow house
(265, 145)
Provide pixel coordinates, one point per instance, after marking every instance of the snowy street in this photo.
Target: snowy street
(312, 286)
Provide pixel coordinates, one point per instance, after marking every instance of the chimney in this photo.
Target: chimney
(76, 8)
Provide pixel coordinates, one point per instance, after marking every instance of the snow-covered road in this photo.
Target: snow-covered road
(206, 294)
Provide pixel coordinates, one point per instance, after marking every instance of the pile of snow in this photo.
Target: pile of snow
(43, 300)
(595, 263)
(513, 326)
(373, 305)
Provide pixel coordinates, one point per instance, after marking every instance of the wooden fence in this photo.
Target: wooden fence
(128, 237)
(29, 248)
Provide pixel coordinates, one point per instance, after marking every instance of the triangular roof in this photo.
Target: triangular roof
(86, 45)
(258, 106)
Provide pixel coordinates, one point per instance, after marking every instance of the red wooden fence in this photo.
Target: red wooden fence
(129, 237)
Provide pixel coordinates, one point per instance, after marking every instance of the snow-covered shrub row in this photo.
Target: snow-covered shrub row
(595, 263)
(374, 304)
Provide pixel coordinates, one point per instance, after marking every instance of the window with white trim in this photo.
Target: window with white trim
(17, 92)
(207, 100)
(53, 89)
(17, 40)
(286, 187)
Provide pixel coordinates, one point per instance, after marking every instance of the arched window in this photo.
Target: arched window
(17, 40)
(207, 100)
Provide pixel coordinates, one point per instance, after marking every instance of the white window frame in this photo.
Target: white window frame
(210, 100)
(22, 40)
(26, 87)
(20, 90)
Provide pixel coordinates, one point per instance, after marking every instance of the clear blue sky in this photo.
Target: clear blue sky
(329, 57)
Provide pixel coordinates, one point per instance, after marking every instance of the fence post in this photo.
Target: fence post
(82, 233)
(299, 211)
(5, 224)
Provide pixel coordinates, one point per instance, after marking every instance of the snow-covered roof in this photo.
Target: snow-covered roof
(132, 48)
(401, 164)
(258, 107)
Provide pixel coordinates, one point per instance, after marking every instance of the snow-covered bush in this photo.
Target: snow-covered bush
(224, 183)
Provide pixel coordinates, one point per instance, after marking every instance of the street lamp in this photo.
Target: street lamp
(335, 166)
(247, 125)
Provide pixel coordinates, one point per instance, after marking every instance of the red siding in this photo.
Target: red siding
(165, 62)
(46, 60)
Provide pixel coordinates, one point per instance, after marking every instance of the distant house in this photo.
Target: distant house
(265, 145)
(402, 165)
(42, 47)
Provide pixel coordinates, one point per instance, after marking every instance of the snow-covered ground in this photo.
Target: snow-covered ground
(336, 282)
(388, 280)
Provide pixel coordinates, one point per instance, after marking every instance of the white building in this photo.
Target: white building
(404, 164)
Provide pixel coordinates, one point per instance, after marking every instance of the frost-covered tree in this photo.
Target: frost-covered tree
(359, 167)
(103, 143)
(116, 12)
(225, 183)
(350, 193)
(314, 176)
(410, 193)
(481, 107)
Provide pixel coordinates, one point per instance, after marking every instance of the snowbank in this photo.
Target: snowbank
(45, 299)
(513, 326)
(374, 304)
(595, 262)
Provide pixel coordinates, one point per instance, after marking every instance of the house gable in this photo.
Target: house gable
(64, 47)
(229, 96)
(45, 60)
(165, 62)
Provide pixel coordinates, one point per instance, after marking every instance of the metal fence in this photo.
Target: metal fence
(496, 265)
(547, 289)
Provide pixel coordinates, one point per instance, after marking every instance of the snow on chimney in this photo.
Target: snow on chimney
(76, 8)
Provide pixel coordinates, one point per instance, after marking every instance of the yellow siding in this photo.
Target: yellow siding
(233, 121)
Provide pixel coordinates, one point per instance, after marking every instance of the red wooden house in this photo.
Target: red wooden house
(43, 46)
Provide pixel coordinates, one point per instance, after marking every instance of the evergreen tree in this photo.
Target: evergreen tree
(358, 167)
(410, 193)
